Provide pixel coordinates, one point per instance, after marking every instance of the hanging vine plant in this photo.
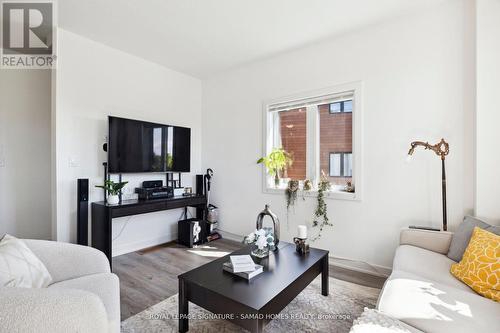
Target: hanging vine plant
(291, 196)
(291, 193)
(321, 214)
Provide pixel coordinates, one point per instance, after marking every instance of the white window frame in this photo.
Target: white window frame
(342, 164)
(312, 142)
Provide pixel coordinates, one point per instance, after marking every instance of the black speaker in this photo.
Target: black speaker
(200, 190)
(185, 234)
(82, 212)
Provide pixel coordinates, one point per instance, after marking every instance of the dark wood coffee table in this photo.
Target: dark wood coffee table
(251, 304)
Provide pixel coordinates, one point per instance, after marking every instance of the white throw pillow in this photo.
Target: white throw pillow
(19, 267)
(373, 321)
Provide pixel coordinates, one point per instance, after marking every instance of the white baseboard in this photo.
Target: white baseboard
(359, 266)
(230, 236)
(353, 265)
(120, 249)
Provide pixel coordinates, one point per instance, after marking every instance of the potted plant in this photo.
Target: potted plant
(276, 162)
(113, 190)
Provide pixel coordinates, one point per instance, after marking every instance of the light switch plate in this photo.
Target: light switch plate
(73, 162)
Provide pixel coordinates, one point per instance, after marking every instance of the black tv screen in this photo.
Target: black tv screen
(139, 146)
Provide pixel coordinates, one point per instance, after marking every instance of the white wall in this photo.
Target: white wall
(488, 109)
(25, 204)
(414, 71)
(94, 81)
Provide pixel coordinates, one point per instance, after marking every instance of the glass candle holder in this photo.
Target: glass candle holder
(260, 253)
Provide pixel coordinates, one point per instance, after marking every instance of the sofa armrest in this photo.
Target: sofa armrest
(48, 310)
(66, 261)
(436, 241)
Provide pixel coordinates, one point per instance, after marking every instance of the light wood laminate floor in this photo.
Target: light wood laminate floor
(149, 276)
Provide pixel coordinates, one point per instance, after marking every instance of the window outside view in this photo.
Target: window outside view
(330, 136)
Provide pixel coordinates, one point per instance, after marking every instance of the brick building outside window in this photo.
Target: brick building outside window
(335, 141)
(321, 130)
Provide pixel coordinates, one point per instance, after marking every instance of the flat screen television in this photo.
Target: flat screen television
(138, 146)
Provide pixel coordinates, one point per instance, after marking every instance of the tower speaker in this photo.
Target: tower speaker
(200, 189)
(82, 212)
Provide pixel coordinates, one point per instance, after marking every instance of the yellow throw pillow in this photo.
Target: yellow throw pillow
(480, 265)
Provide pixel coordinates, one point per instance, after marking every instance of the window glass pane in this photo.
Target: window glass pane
(326, 128)
(335, 165)
(335, 107)
(348, 106)
(290, 135)
(348, 164)
(335, 138)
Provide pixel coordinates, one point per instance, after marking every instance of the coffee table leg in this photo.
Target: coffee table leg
(257, 326)
(324, 276)
(183, 307)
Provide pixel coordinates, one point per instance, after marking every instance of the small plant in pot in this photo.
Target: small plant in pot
(276, 162)
(263, 239)
(113, 190)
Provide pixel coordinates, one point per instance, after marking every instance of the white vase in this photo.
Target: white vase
(113, 199)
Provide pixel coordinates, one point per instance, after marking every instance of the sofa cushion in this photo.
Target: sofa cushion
(462, 236)
(19, 267)
(434, 307)
(49, 310)
(104, 285)
(480, 265)
(427, 264)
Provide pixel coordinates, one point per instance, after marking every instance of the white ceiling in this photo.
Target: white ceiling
(203, 37)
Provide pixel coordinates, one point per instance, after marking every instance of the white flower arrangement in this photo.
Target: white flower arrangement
(262, 238)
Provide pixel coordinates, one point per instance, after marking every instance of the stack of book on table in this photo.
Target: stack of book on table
(242, 266)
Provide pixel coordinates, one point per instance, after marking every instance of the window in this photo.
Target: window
(318, 131)
(340, 107)
(341, 165)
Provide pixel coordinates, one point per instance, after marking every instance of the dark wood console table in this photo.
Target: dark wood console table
(103, 214)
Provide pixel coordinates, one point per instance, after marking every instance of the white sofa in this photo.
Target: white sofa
(83, 297)
(422, 293)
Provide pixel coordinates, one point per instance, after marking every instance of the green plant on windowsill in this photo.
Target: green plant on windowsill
(276, 162)
(306, 188)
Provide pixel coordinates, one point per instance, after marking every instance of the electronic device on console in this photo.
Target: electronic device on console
(154, 189)
(152, 183)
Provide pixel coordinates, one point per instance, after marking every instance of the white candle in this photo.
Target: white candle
(302, 231)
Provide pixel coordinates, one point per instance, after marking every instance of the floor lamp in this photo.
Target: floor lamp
(442, 148)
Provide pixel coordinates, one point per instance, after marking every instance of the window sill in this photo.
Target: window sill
(332, 194)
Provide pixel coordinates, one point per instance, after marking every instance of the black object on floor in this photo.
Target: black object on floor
(186, 232)
(82, 212)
